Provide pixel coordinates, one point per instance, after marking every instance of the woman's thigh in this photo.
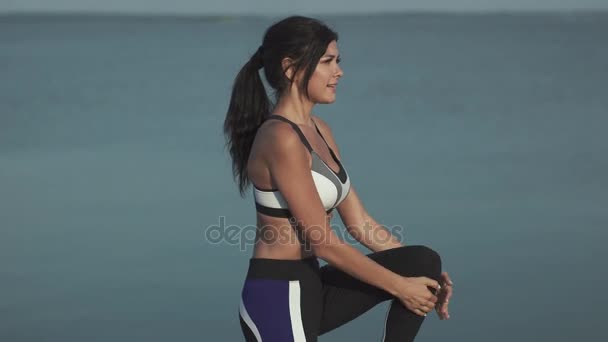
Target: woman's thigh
(346, 298)
(281, 301)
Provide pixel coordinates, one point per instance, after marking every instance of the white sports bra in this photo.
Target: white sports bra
(331, 186)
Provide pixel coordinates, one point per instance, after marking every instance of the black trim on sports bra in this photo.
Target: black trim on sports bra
(341, 172)
(279, 212)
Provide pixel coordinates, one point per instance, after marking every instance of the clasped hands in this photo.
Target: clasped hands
(443, 296)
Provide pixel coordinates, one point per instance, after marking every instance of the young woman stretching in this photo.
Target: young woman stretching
(293, 163)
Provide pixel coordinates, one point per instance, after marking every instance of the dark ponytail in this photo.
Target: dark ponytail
(249, 105)
(303, 40)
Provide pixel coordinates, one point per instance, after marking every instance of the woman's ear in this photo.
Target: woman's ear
(287, 65)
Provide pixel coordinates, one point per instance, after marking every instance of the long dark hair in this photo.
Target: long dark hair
(304, 40)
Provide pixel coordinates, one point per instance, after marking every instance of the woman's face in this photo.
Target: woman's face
(323, 82)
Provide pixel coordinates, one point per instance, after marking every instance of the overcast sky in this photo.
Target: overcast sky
(284, 6)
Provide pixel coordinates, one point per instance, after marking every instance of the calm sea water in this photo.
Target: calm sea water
(484, 136)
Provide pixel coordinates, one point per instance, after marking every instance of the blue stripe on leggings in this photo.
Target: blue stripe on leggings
(267, 302)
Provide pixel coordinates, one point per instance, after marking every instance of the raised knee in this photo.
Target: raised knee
(430, 260)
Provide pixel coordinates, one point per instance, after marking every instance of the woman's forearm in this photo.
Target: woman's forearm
(351, 261)
(374, 236)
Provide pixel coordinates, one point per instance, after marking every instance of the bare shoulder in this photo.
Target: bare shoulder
(279, 140)
(327, 134)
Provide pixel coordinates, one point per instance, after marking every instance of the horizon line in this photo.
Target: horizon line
(220, 15)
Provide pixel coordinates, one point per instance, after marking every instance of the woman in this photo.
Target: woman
(291, 158)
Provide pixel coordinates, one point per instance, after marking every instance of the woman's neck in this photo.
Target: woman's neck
(299, 112)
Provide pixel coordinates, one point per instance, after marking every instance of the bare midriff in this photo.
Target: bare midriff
(277, 238)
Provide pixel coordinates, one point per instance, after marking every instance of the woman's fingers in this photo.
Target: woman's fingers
(444, 299)
(432, 300)
(423, 307)
(446, 278)
(444, 311)
(419, 312)
(431, 283)
(448, 293)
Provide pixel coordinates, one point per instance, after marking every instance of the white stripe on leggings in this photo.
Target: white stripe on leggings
(386, 320)
(294, 311)
(249, 321)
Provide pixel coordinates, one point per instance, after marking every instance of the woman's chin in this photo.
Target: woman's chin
(325, 99)
(329, 100)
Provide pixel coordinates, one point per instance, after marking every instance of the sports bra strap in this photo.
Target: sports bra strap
(322, 137)
(314, 123)
(295, 127)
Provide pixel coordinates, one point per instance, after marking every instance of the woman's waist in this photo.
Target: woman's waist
(283, 269)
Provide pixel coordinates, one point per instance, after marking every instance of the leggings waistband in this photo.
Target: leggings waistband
(282, 268)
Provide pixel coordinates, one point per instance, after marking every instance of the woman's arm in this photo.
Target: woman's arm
(358, 222)
(363, 227)
(289, 167)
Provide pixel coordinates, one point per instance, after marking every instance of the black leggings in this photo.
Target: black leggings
(296, 300)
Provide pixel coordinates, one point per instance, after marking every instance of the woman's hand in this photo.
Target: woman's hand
(444, 296)
(414, 293)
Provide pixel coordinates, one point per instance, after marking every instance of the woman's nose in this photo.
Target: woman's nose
(339, 71)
